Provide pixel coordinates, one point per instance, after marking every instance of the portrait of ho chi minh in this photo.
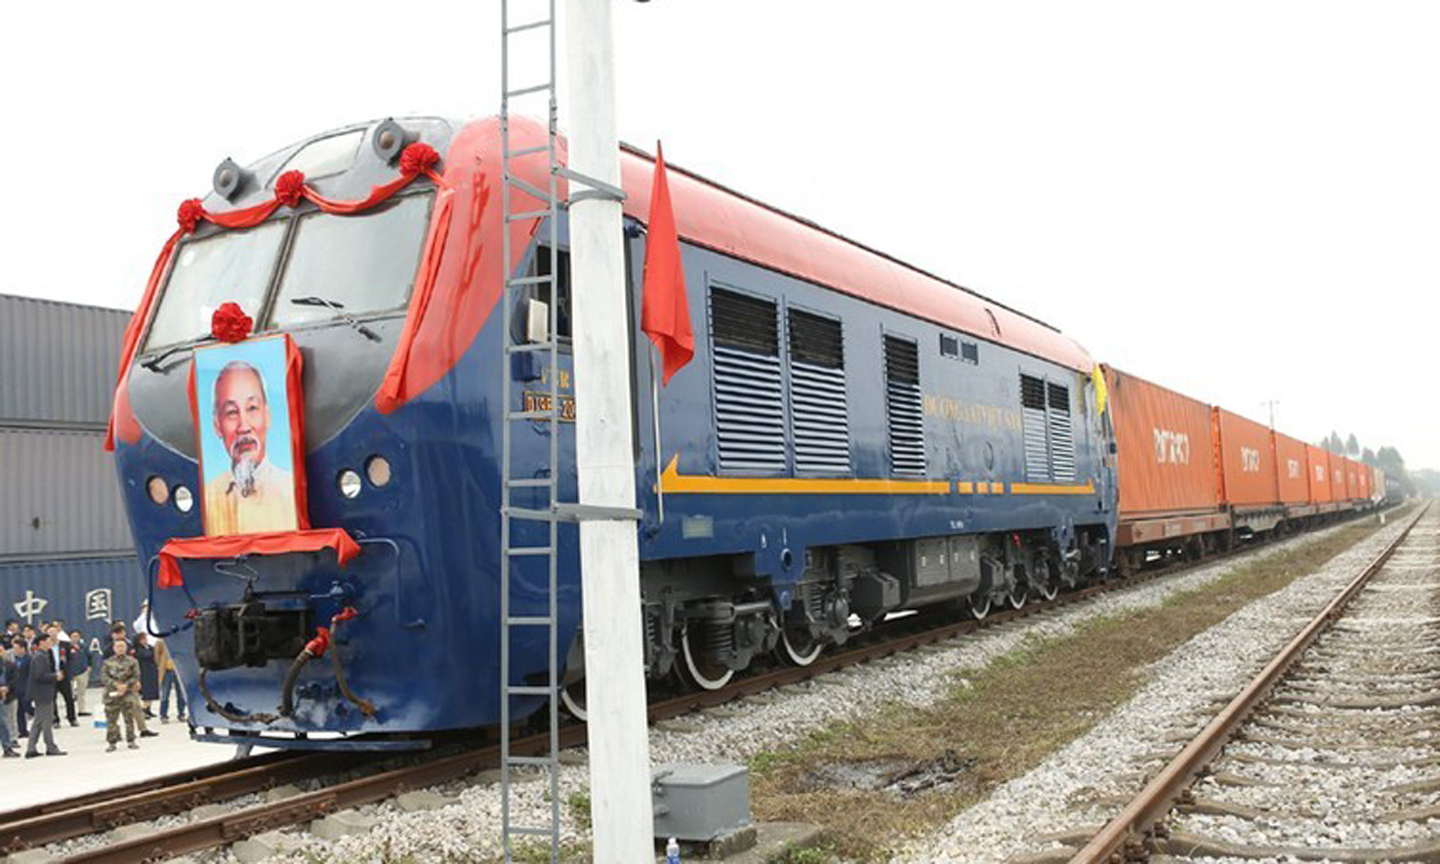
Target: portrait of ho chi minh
(248, 478)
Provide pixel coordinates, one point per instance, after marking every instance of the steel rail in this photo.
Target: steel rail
(232, 827)
(1127, 833)
(21, 814)
(101, 813)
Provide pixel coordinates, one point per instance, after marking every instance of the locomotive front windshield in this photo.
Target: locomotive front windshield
(237, 265)
(365, 264)
(357, 265)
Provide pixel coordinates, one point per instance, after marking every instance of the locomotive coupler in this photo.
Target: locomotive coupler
(248, 634)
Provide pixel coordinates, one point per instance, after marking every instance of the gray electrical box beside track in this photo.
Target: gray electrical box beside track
(699, 803)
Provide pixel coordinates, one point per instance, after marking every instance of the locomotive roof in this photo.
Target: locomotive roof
(709, 214)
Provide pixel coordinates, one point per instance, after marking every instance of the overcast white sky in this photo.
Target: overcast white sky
(1238, 200)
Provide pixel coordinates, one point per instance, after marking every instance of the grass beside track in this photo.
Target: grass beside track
(1003, 720)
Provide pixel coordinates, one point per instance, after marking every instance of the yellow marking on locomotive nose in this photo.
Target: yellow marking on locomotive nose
(672, 481)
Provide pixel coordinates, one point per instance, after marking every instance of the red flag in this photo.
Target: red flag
(664, 311)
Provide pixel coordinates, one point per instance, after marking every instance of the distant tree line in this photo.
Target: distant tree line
(1425, 481)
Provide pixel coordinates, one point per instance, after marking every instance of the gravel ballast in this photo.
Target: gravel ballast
(1354, 777)
(1084, 783)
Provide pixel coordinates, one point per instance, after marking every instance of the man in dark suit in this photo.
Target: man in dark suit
(60, 651)
(11, 738)
(21, 693)
(44, 676)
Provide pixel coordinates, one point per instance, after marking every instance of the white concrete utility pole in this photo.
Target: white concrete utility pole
(610, 561)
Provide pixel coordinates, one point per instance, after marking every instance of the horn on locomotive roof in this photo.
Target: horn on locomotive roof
(390, 138)
(230, 179)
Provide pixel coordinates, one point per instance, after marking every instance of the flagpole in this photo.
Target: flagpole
(659, 451)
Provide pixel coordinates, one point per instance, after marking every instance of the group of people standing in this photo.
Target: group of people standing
(38, 668)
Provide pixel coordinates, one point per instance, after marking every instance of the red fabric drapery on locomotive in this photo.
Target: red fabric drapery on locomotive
(417, 160)
(278, 543)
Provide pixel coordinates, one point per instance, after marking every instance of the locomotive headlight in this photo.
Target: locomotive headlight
(159, 490)
(349, 483)
(378, 470)
(184, 501)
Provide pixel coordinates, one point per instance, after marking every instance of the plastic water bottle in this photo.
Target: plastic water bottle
(672, 852)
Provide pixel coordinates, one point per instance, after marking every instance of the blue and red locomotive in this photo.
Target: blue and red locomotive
(854, 437)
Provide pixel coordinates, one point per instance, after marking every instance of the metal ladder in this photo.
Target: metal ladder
(517, 289)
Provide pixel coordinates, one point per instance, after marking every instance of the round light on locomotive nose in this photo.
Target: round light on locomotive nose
(349, 483)
(159, 490)
(378, 470)
(184, 501)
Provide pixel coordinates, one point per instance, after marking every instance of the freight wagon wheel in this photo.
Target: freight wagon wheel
(1018, 595)
(797, 647)
(979, 605)
(697, 670)
(572, 697)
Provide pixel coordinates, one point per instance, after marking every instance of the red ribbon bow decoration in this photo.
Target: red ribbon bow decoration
(230, 323)
(190, 214)
(417, 158)
(290, 188)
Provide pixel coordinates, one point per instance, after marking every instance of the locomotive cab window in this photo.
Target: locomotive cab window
(233, 265)
(540, 266)
(356, 265)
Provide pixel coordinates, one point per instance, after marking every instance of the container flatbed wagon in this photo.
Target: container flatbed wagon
(1293, 477)
(1249, 482)
(1169, 490)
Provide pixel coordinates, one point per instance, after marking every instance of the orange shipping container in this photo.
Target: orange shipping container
(1338, 490)
(1362, 471)
(1353, 481)
(1167, 458)
(1247, 461)
(1319, 466)
(1291, 466)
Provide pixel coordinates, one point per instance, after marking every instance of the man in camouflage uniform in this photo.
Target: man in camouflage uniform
(121, 675)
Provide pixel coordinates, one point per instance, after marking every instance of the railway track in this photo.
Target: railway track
(178, 793)
(1331, 753)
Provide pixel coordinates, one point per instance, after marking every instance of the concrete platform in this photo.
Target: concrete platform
(86, 767)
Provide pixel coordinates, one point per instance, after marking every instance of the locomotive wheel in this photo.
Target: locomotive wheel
(1049, 588)
(1018, 595)
(698, 671)
(797, 647)
(979, 606)
(572, 698)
